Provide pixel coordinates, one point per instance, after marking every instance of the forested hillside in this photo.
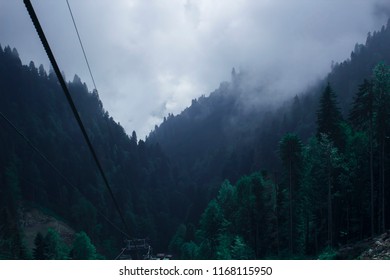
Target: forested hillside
(140, 175)
(318, 163)
(231, 177)
(229, 129)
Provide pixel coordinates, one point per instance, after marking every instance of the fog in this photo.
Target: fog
(151, 58)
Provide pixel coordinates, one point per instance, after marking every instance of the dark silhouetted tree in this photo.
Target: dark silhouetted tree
(381, 86)
(39, 249)
(290, 150)
(329, 117)
(362, 117)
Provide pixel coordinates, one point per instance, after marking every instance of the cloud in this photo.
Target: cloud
(151, 58)
(382, 9)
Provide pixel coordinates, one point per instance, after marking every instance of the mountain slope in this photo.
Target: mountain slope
(139, 173)
(166, 183)
(247, 133)
(218, 138)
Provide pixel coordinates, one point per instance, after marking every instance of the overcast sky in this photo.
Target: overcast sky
(152, 57)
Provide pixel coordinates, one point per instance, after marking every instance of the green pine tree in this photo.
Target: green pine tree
(381, 86)
(362, 118)
(290, 150)
(83, 249)
(54, 247)
(240, 250)
(329, 117)
(39, 250)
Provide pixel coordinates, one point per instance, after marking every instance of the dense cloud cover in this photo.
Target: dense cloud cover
(150, 58)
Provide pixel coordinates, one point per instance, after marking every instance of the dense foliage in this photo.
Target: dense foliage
(227, 178)
(323, 198)
(328, 191)
(139, 174)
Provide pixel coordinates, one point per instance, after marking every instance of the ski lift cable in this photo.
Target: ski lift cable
(81, 44)
(56, 170)
(69, 98)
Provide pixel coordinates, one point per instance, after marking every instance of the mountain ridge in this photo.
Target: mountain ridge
(295, 114)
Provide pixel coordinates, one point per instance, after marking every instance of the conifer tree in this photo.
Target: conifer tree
(39, 250)
(83, 249)
(240, 250)
(11, 237)
(329, 117)
(322, 159)
(381, 88)
(212, 224)
(290, 149)
(54, 247)
(362, 117)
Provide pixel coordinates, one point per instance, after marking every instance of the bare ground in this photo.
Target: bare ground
(34, 221)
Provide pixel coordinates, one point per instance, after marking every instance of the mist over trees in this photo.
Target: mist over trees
(323, 152)
(222, 180)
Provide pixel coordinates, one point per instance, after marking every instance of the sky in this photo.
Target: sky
(152, 57)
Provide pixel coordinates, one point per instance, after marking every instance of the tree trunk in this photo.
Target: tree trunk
(383, 184)
(371, 179)
(277, 215)
(291, 214)
(330, 235)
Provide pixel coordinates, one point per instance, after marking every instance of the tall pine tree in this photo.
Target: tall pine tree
(362, 118)
(290, 149)
(329, 118)
(382, 100)
(83, 249)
